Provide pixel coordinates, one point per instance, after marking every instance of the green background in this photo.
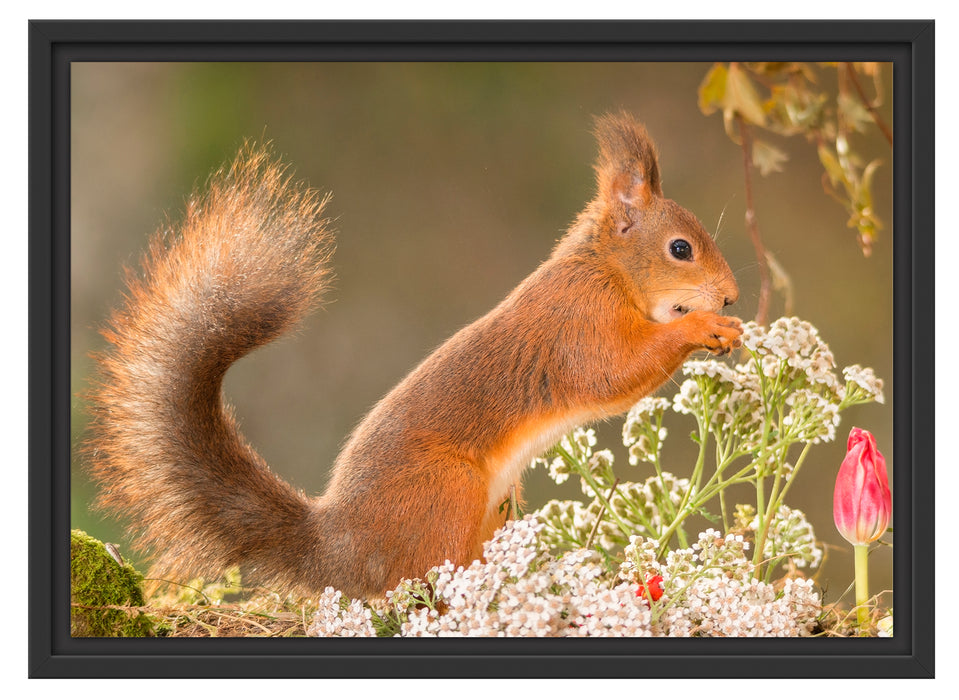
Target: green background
(451, 182)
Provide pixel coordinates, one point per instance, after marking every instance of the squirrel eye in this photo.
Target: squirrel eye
(680, 249)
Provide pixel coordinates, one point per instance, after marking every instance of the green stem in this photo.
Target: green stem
(656, 461)
(774, 500)
(760, 513)
(599, 518)
(763, 453)
(722, 509)
(722, 461)
(667, 503)
(792, 477)
(696, 477)
(664, 538)
(696, 470)
(583, 471)
(862, 586)
(714, 486)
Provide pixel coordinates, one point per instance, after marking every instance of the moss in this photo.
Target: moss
(97, 584)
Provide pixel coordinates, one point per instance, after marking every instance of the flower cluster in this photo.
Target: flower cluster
(575, 447)
(718, 606)
(569, 524)
(643, 431)
(521, 590)
(710, 552)
(338, 616)
(607, 523)
(790, 367)
(862, 385)
(790, 537)
(726, 399)
(793, 348)
(709, 590)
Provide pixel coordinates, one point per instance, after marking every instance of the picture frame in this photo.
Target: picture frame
(56, 45)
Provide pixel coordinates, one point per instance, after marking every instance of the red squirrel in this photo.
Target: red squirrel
(633, 287)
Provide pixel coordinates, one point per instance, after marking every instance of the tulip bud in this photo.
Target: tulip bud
(862, 503)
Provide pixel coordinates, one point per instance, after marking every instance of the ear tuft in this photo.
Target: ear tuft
(627, 170)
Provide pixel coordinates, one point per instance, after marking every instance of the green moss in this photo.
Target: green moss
(97, 583)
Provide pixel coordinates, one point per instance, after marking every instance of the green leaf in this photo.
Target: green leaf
(711, 517)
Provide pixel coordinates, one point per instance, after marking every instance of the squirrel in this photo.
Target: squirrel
(628, 293)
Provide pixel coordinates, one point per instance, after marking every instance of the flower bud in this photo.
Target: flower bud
(862, 503)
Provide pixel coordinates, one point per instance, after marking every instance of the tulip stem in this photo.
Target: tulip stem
(862, 585)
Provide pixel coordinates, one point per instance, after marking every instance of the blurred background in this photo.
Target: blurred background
(451, 183)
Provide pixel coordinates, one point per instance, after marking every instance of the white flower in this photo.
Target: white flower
(688, 400)
(789, 535)
(559, 470)
(334, 619)
(864, 378)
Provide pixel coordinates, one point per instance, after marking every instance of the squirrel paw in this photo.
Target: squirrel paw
(718, 334)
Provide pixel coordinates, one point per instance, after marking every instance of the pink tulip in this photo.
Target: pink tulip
(862, 503)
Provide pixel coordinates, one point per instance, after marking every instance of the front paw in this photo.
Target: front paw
(718, 334)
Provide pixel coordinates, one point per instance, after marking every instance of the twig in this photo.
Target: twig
(182, 585)
(599, 516)
(883, 127)
(752, 226)
(242, 618)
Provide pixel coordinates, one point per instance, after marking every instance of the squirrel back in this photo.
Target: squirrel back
(633, 288)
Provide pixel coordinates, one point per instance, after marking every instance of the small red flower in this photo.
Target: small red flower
(654, 586)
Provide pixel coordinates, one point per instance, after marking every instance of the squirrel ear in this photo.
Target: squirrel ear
(627, 170)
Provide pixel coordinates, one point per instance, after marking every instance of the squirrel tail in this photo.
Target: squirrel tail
(248, 262)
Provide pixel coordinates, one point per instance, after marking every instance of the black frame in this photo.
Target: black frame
(53, 45)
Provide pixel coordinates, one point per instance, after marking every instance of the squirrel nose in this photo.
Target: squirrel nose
(730, 300)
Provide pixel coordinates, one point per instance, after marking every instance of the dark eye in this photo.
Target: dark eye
(680, 249)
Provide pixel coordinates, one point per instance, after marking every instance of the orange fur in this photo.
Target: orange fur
(603, 322)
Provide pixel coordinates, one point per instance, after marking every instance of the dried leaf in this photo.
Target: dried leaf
(868, 173)
(782, 282)
(870, 68)
(854, 113)
(831, 163)
(768, 158)
(713, 89)
(741, 97)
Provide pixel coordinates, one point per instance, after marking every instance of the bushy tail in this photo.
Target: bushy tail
(247, 263)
